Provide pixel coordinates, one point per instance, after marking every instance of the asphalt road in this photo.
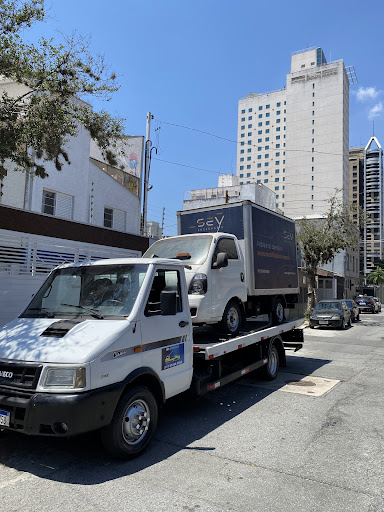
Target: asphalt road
(251, 446)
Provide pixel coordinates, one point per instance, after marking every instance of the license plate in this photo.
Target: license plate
(4, 418)
(323, 322)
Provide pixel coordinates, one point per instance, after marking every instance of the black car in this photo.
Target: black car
(354, 309)
(366, 304)
(330, 313)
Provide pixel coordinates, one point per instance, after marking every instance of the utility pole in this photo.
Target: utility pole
(148, 144)
(162, 222)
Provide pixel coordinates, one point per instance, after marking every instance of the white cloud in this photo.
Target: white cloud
(375, 111)
(367, 93)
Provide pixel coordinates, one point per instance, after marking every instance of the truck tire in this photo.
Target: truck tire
(133, 424)
(271, 369)
(278, 312)
(232, 317)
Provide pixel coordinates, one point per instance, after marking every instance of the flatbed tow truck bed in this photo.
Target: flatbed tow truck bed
(219, 360)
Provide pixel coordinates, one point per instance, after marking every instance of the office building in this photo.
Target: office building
(296, 140)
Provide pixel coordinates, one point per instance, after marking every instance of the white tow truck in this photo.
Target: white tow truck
(103, 345)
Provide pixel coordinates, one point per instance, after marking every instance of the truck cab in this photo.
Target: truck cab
(101, 345)
(215, 276)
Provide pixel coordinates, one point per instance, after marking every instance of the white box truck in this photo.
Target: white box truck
(243, 263)
(103, 345)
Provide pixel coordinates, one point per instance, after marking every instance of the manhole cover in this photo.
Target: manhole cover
(305, 383)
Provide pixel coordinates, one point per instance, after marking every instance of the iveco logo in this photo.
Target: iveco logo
(7, 375)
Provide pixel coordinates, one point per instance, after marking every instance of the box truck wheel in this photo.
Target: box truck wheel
(133, 424)
(231, 321)
(271, 369)
(278, 312)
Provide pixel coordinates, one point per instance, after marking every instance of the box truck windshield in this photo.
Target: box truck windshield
(194, 249)
(101, 291)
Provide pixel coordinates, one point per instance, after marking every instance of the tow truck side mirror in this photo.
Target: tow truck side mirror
(168, 303)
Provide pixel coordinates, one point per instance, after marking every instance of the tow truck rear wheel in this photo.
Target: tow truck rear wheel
(271, 369)
(133, 424)
(278, 312)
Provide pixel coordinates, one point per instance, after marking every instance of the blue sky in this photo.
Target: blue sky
(188, 63)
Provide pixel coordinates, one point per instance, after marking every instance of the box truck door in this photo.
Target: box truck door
(227, 282)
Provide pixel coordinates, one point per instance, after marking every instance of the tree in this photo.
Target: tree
(376, 277)
(48, 105)
(320, 239)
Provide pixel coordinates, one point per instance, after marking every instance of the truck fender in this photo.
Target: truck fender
(147, 377)
(278, 342)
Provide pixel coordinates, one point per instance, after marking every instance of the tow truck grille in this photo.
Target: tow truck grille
(19, 375)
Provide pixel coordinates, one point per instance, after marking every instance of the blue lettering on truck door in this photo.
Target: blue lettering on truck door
(226, 220)
(274, 249)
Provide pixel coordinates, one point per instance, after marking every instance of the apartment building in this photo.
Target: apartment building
(296, 140)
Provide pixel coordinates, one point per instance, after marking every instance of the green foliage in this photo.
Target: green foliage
(376, 277)
(320, 239)
(49, 104)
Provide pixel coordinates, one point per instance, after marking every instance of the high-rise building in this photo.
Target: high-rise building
(296, 140)
(366, 191)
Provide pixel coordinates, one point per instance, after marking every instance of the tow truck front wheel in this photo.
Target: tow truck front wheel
(133, 424)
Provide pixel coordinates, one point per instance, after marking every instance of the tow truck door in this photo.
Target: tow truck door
(167, 339)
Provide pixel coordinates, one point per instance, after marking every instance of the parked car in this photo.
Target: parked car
(354, 309)
(377, 300)
(330, 313)
(367, 304)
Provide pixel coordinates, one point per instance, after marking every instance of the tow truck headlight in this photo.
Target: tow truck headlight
(198, 285)
(64, 378)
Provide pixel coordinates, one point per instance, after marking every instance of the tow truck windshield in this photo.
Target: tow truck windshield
(97, 291)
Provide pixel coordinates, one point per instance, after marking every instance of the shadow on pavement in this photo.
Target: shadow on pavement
(182, 421)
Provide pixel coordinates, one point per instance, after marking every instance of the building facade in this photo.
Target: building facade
(296, 140)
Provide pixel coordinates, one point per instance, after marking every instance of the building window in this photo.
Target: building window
(259, 132)
(277, 112)
(278, 129)
(241, 167)
(249, 110)
(277, 120)
(260, 124)
(313, 112)
(241, 182)
(313, 159)
(278, 104)
(258, 165)
(258, 173)
(249, 150)
(249, 118)
(242, 119)
(242, 159)
(266, 147)
(249, 126)
(261, 107)
(277, 179)
(241, 151)
(259, 148)
(108, 217)
(266, 181)
(258, 157)
(250, 134)
(248, 166)
(278, 138)
(277, 171)
(243, 111)
(242, 135)
(249, 143)
(242, 143)
(266, 164)
(248, 173)
(277, 162)
(267, 122)
(277, 146)
(259, 140)
(258, 181)
(241, 175)
(266, 155)
(267, 114)
(277, 187)
(266, 139)
(248, 158)
(278, 153)
(49, 199)
(266, 173)
(243, 127)
(267, 106)
(260, 116)
(267, 131)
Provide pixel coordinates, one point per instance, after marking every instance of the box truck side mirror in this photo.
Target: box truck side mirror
(221, 260)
